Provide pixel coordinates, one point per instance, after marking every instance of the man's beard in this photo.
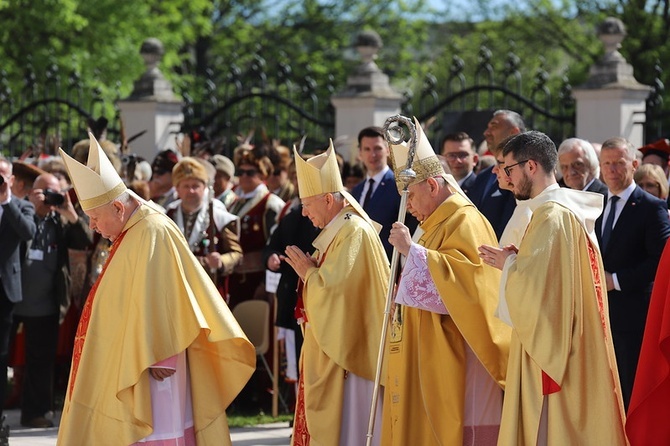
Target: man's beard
(524, 188)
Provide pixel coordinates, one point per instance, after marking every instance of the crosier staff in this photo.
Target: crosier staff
(405, 176)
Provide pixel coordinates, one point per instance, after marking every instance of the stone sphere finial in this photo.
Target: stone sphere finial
(611, 33)
(152, 52)
(368, 43)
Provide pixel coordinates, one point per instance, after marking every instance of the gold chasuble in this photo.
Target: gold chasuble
(147, 306)
(561, 354)
(344, 303)
(426, 356)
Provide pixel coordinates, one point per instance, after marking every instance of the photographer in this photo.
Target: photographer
(45, 280)
(16, 225)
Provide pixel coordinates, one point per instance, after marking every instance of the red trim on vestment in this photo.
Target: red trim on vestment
(549, 386)
(300, 432)
(85, 319)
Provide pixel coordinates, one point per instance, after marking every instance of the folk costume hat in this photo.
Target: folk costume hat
(426, 164)
(97, 183)
(223, 164)
(320, 175)
(189, 168)
(659, 148)
(26, 171)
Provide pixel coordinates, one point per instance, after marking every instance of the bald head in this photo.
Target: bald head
(45, 187)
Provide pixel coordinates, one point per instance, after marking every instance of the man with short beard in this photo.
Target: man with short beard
(551, 296)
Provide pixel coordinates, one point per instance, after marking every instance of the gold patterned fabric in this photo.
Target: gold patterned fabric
(424, 399)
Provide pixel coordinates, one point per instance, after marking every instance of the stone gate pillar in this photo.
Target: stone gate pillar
(368, 98)
(612, 102)
(152, 107)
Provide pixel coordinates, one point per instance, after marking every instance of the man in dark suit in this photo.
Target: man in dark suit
(378, 193)
(461, 158)
(17, 225)
(579, 166)
(495, 203)
(632, 232)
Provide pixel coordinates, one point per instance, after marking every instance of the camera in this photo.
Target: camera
(53, 198)
(2, 180)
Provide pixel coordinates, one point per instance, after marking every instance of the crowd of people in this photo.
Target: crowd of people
(529, 307)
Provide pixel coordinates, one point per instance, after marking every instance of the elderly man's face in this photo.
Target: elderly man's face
(316, 209)
(107, 220)
(575, 168)
(419, 201)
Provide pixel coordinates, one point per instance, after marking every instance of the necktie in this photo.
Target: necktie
(371, 183)
(607, 230)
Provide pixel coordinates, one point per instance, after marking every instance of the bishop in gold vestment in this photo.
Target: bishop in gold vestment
(345, 284)
(447, 354)
(152, 302)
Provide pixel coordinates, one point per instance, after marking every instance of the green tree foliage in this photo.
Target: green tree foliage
(100, 40)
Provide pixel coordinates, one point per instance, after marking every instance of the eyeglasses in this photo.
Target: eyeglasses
(456, 155)
(508, 169)
(247, 172)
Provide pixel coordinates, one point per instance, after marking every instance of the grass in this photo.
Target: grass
(238, 420)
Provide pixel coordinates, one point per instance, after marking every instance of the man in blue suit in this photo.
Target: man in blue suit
(17, 225)
(378, 193)
(461, 158)
(495, 203)
(632, 232)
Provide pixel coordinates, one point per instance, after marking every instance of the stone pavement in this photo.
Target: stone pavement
(262, 435)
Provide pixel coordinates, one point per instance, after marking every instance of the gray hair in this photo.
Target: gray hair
(587, 150)
(513, 118)
(619, 142)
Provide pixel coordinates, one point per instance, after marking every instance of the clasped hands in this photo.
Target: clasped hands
(298, 260)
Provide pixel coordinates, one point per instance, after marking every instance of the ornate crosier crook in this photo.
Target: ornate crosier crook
(394, 136)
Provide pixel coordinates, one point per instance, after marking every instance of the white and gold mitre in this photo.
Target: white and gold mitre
(97, 183)
(425, 163)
